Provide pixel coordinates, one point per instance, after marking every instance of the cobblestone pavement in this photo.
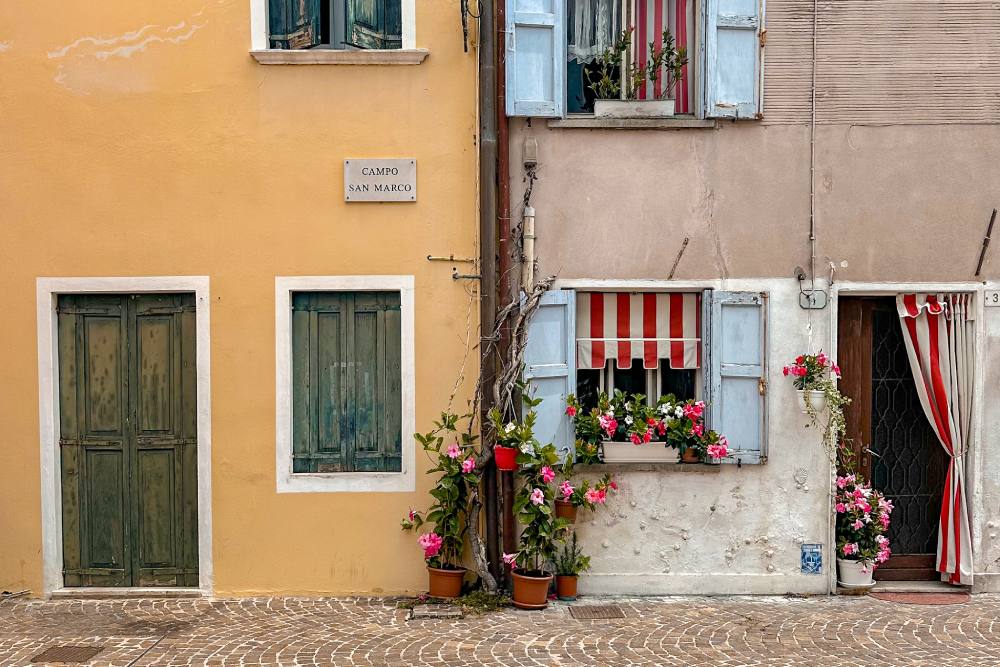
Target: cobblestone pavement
(361, 631)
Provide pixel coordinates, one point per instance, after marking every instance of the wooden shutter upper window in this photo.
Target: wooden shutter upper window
(346, 382)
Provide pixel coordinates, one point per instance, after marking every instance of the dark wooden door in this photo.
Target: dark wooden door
(896, 447)
(128, 440)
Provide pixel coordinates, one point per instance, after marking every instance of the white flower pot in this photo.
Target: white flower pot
(651, 452)
(633, 108)
(850, 574)
(814, 397)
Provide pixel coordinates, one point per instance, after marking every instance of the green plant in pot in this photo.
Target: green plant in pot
(617, 79)
(454, 456)
(541, 530)
(570, 562)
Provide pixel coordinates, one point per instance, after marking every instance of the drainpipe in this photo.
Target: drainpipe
(488, 260)
(505, 293)
(528, 261)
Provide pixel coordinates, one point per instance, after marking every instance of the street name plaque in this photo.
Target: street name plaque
(380, 180)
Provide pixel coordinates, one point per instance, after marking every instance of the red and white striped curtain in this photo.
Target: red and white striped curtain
(939, 334)
(650, 18)
(647, 325)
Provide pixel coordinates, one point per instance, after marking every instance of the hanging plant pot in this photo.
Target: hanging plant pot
(690, 455)
(531, 589)
(505, 457)
(855, 573)
(445, 583)
(566, 587)
(565, 510)
(813, 397)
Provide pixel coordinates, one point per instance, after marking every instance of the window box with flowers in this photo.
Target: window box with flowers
(624, 428)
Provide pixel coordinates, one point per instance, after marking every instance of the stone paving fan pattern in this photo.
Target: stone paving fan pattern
(365, 631)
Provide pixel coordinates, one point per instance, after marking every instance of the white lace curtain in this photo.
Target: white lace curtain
(593, 27)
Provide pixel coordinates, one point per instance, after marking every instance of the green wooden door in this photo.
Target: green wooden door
(128, 440)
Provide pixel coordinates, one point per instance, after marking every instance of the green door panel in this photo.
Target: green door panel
(374, 24)
(128, 440)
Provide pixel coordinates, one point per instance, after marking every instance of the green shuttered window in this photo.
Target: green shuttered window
(346, 396)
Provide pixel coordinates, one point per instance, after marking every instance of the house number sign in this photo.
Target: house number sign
(380, 180)
(992, 298)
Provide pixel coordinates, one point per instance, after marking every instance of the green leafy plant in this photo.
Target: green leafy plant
(540, 529)
(613, 67)
(456, 464)
(571, 561)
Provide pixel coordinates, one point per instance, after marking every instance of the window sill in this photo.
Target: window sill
(703, 468)
(592, 123)
(346, 482)
(335, 57)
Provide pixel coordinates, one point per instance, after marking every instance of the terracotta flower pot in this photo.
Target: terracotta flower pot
(565, 510)
(566, 587)
(690, 455)
(445, 583)
(505, 457)
(531, 592)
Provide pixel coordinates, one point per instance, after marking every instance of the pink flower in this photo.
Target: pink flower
(412, 516)
(858, 494)
(430, 543)
(693, 410)
(608, 424)
(636, 440)
(548, 474)
(698, 429)
(784, 371)
(841, 508)
(571, 410)
(851, 548)
(841, 482)
(822, 358)
(566, 489)
(453, 451)
(800, 371)
(468, 465)
(799, 359)
(592, 495)
(718, 451)
(647, 436)
(883, 554)
(884, 520)
(537, 497)
(836, 370)
(613, 485)
(885, 505)
(511, 560)
(858, 525)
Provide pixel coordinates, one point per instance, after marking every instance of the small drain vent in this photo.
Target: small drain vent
(596, 611)
(68, 654)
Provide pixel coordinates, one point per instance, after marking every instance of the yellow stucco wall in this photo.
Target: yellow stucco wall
(139, 138)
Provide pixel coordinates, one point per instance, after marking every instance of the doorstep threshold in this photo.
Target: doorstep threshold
(114, 592)
(917, 587)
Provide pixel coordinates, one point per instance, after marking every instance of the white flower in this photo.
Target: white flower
(510, 427)
(678, 411)
(610, 412)
(629, 420)
(628, 407)
(528, 448)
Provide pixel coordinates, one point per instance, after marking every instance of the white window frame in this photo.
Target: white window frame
(289, 482)
(260, 49)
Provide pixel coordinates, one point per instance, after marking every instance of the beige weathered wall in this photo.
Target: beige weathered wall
(140, 139)
(907, 148)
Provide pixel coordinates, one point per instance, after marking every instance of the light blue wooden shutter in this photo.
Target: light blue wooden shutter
(737, 362)
(536, 61)
(733, 57)
(550, 366)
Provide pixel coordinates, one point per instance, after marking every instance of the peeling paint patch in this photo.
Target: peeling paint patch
(128, 43)
(5, 46)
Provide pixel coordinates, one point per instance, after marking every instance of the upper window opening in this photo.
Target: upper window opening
(594, 26)
(335, 24)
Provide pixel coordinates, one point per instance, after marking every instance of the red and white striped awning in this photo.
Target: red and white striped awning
(645, 325)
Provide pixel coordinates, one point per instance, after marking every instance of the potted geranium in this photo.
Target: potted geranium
(569, 564)
(618, 79)
(443, 545)
(809, 375)
(540, 529)
(569, 498)
(862, 521)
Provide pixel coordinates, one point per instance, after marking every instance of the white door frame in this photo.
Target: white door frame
(47, 292)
